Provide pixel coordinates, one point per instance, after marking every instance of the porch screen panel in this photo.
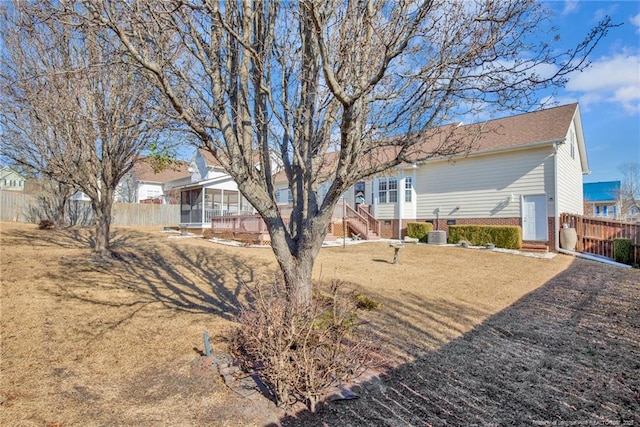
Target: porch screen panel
(208, 198)
(245, 206)
(231, 202)
(217, 202)
(196, 205)
(185, 206)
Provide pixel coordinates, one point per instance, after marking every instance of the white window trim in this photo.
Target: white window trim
(408, 189)
(388, 191)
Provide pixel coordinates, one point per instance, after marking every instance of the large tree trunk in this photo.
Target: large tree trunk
(61, 204)
(102, 210)
(298, 279)
(60, 194)
(297, 256)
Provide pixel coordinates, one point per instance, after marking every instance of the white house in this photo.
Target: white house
(211, 192)
(522, 170)
(11, 180)
(145, 185)
(602, 199)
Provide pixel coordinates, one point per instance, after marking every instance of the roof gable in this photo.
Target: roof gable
(143, 171)
(209, 159)
(6, 172)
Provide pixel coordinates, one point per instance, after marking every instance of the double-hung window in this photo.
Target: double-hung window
(388, 190)
(408, 189)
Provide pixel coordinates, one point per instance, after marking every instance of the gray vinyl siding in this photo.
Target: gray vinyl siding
(481, 186)
(570, 197)
(386, 210)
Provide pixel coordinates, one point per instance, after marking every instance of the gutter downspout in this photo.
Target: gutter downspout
(400, 202)
(556, 208)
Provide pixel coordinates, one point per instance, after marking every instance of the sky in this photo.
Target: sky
(608, 92)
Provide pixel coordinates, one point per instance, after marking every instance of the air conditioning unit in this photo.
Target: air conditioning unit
(437, 237)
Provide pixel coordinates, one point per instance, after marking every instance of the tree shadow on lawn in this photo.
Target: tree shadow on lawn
(567, 352)
(196, 280)
(66, 238)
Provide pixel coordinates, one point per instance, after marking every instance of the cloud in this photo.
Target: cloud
(601, 13)
(612, 79)
(570, 6)
(635, 20)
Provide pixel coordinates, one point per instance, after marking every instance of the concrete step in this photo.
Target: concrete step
(535, 247)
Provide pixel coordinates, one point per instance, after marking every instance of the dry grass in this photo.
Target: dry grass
(89, 343)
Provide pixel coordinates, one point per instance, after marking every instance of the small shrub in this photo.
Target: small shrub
(365, 303)
(622, 250)
(46, 224)
(502, 236)
(208, 233)
(419, 230)
(302, 351)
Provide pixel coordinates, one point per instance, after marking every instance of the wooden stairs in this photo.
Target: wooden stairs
(362, 224)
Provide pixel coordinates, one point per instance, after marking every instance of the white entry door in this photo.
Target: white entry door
(534, 218)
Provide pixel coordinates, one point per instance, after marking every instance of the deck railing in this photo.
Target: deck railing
(239, 223)
(374, 224)
(210, 213)
(595, 235)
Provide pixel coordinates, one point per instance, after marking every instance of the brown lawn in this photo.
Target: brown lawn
(474, 336)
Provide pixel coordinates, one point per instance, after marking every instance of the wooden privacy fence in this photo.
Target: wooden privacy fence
(19, 207)
(14, 206)
(595, 236)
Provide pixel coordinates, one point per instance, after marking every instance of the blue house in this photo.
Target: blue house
(602, 199)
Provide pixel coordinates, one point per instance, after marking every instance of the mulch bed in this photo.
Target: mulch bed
(566, 354)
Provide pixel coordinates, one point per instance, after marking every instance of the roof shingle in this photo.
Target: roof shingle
(144, 172)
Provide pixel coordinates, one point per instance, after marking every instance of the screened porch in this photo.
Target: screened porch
(199, 205)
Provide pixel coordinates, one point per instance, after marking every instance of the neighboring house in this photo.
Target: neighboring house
(80, 196)
(144, 185)
(11, 180)
(210, 193)
(602, 199)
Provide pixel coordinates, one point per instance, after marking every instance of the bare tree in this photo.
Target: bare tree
(71, 109)
(370, 80)
(630, 188)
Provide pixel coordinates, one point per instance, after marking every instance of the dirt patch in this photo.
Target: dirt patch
(472, 334)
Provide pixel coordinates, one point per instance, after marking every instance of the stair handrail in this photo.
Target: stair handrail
(359, 218)
(374, 224)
